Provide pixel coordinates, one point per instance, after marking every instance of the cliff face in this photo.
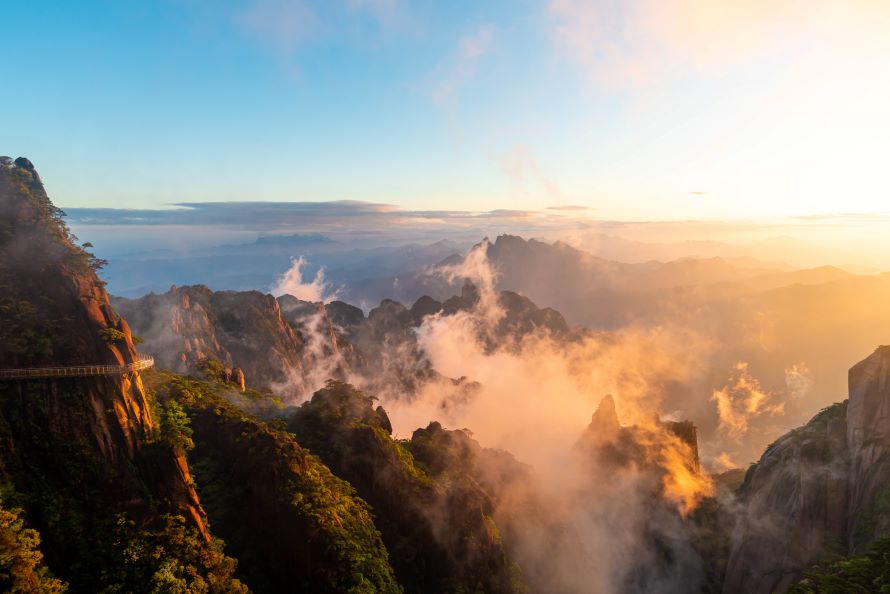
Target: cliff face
(868, 440)
(245, 329)
(795, 502)
(73, 451)
(819, 490)
(295, 346)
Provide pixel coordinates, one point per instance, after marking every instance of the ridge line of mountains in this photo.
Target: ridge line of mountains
(132, 484)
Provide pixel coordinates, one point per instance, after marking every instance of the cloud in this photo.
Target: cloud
(235, 213)
(221, 223)
(577, 523)
(641, 42)
(798, 380)
(570, 208)
(462, 66)
(292, 283)
(742, 401)
(269, 216)
(510, 213)
(725, 462)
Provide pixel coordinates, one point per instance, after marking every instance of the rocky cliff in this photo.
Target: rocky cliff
(291, 524)
(437, 525)
(246, 330)
(74, 452)
(295, 346)
(820, 490)
(868, 442)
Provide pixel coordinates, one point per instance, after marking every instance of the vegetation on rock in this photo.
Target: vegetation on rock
(441, 535)
(865, 574)
(317, 535)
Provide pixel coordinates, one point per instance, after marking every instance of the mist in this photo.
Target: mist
(593, 521)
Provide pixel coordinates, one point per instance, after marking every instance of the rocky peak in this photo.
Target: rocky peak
(298, 308)
(344, 315)
(423, 307)
(868, 414)
(688, 434)
(604, 423)
(466, 301)
(389, 316)
(616, 446)
(244, 329)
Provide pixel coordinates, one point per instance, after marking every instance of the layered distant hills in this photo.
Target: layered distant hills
(796, 330)
(260, 453)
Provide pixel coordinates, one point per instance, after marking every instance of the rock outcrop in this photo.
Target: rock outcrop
(675, 532)
(245, 329)
(75, 450)
(819, 490)
(657, 449)
(295, 346)
(868, 440)
(441, 533)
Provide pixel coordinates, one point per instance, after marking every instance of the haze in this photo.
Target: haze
(412, 297)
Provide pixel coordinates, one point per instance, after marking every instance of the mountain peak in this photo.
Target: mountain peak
(604, 422)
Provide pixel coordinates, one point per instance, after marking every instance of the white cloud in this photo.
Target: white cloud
(292, 283)
(643, 42)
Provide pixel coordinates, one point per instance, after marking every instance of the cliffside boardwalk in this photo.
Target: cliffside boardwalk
(75, 371)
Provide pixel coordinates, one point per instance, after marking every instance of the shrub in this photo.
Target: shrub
(861, 573)
(111, 335)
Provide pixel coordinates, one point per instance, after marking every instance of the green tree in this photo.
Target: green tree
(175, 427)
(21, 562)
(850, 575)
(171, 558)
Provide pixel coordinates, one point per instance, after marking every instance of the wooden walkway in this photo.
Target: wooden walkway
(76, 371)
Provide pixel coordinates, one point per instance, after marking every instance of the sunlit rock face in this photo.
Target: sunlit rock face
(81, 443)
(654, 464)
(294, 346)
(663, 454)
(820, 489)
(246, 329)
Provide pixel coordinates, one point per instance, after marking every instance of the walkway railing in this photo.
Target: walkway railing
(76, 371)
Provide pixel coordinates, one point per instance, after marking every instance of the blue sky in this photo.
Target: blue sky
(669, 109)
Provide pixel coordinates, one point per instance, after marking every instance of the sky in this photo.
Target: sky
(635, 109)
